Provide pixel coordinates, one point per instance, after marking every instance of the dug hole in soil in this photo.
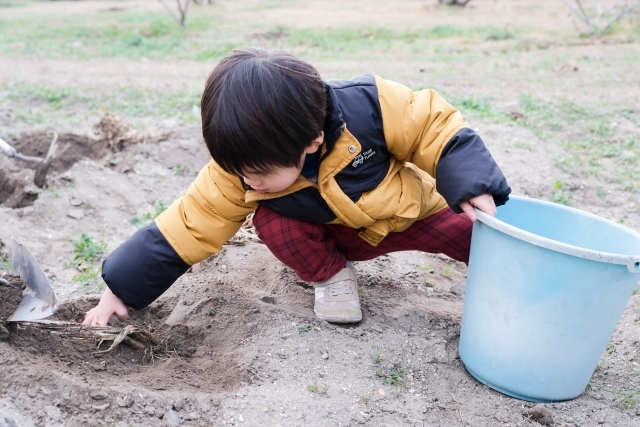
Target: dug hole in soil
(16, 190)
(237, 341)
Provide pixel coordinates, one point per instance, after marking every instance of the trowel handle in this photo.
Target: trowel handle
(6, 148)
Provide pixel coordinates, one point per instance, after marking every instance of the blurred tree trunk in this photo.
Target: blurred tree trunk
(182, 9)
(454, 2)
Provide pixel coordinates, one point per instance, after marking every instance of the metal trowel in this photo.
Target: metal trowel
(38, 299)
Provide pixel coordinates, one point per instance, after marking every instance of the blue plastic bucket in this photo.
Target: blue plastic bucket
(546, 286)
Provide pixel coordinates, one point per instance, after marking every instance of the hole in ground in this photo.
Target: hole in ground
(15, 174)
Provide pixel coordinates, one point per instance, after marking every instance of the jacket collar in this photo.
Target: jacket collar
(333, 121)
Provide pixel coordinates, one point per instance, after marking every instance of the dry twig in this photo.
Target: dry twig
(115, 132)
(130, 334)
(246, 234)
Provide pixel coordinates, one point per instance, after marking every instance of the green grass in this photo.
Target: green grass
(628, 399)
(86, 249)
(154, 35)
(588, 134)
(391, 375)
(90, 279)
(561, 194)
(37, 104)
(476, 108)
(610, 349)
(130, 34)
(5, 263)
(388, 374)
(146, 218)
(303, 328)
(317, 389)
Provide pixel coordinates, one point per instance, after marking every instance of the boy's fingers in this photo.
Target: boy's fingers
(485, 203)
(468, 210)
(101, 321)
(88, 318)
(122, 315)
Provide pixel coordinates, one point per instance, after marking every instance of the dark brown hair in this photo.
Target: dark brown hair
(261, 109)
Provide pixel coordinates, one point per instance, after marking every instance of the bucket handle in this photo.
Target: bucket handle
(631, 261)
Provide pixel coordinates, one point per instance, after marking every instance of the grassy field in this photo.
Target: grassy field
(578, 92)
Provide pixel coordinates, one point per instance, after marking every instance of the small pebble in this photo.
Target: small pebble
(4, 333)
(99, 396)
(541, 415)
(192, 416)
(100, 407)
(457, 289)
(75, 213)
(268, 300)
(171, 418)
(178, 404)
(52, 412)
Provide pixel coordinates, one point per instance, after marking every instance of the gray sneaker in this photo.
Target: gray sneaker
(337, 298)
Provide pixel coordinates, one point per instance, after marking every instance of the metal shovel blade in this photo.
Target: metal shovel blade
(38, 299)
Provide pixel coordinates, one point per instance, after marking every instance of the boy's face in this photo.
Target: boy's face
(280, 178)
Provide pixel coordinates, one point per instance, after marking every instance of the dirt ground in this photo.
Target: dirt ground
(237, 341)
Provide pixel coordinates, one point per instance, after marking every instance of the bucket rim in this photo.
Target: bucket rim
(632, 262)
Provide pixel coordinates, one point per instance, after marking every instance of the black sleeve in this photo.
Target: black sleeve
(466, 169)
(142, 268)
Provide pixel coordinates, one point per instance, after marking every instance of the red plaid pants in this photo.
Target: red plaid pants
(317, 251)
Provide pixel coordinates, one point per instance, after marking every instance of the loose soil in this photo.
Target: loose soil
(10, 296)
(238, 343)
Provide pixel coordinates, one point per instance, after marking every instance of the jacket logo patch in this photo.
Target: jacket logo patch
(360, 158)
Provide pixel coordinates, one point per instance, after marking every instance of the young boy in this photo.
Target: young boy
(336, 171)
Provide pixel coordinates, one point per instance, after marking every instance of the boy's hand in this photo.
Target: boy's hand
(108, 306)
(484, 202)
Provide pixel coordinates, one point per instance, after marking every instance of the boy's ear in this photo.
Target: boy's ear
(315, 144)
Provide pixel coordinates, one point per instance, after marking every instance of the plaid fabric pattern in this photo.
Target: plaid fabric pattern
(318, 251)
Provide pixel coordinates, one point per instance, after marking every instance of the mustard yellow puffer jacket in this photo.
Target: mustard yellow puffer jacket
(384, 146)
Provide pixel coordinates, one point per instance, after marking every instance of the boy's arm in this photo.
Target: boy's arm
(193, 228)
(422, 128)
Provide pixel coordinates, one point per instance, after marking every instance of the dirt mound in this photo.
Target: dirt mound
(10, 296)
(185, 349)
(14, 177)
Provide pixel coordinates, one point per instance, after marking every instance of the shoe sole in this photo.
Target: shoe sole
(338, 319)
